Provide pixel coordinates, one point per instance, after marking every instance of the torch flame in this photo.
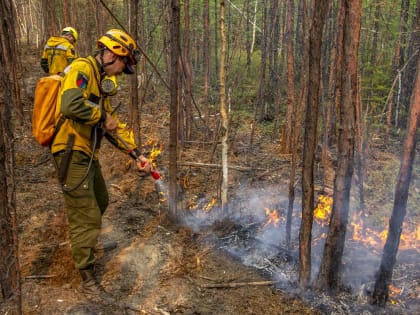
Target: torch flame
(155, 151)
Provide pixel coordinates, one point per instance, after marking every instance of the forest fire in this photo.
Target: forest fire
(408, 240)
(394, 292)
(323, 210)
(272, 218)
(193, 204)
(210, 205)
(359, 232)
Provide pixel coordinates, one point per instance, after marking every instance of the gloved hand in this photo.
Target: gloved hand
(144, 164)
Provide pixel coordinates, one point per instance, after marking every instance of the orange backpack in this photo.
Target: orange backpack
(44, 123)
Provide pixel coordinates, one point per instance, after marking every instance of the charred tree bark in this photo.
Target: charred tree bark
(175, 18)
(383, 280)
(329, 275)
(9, 259)
(310, 138)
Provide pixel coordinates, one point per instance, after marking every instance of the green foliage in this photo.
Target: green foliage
(376, 85)
(380, 188)
(243, 79)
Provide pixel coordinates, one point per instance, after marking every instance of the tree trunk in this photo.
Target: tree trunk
(134, 91)
(296, 131)
(216, 40)
(383, 280)
(248, 34)
(360, 151)
(329, 275)
(187, 71)
(333, 99)
(310, 138)
(262, 83)
(206, 51)
(9, 260)
(408, 76)
(275, 78)
(223, 109)
(375, 31)
(290, 78)
(254, 26)
(173, 124)
(142, 75)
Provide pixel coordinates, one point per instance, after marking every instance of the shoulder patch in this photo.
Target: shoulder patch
(82, 80)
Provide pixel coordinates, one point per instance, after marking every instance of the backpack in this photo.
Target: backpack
(44, 123)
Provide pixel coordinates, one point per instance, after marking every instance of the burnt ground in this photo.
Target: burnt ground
(158, 267)
(209, 262)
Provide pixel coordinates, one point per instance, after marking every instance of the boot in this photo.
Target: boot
(91, 289)
(103, 247)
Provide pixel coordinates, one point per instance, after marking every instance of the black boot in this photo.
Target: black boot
(92, 289)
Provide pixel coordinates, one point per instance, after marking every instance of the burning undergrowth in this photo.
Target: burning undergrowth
(253, 231)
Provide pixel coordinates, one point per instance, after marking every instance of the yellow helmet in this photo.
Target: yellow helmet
(121, 44)
(71, 31)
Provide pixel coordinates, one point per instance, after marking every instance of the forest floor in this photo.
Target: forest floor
(209, 262)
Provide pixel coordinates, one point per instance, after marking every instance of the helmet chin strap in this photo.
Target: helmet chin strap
(105, 64)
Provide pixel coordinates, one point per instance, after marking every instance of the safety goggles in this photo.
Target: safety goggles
(130, 62)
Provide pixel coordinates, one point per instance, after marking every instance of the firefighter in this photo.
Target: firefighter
(59, 51)
(88, 117)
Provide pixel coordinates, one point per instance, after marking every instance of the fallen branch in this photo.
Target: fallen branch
(238, 284)
(238, 168)
(40, 277)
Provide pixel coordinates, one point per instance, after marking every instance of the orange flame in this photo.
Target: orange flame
(272, 218)
(155, 151)
(322, 211)
(210, 205)
(408, 239)
(162, 197)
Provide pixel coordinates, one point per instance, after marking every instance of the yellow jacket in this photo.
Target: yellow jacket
(58, 53)
(81, 103)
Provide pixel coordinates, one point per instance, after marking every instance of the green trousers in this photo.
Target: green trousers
(85, 206)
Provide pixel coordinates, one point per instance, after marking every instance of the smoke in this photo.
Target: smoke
(245, 231)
